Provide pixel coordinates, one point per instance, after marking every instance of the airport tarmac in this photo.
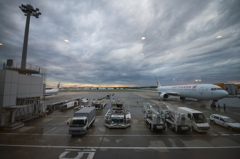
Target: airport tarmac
(47, 137)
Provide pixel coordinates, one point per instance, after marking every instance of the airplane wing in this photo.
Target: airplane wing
(170, 93)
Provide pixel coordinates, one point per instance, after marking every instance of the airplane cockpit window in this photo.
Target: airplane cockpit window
(213, 89)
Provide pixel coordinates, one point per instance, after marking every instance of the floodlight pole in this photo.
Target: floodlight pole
(25, 43)
(28, 10)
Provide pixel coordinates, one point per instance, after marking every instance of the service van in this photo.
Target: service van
(195, 119)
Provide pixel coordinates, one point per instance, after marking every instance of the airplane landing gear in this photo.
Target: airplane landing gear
(182, 98)
(213, 103)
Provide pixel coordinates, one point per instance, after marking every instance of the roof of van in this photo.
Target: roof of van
(189, 109)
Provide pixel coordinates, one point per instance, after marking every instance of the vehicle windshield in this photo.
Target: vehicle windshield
(74, 123)
(117, 120)
(199, 118)
(229, 120)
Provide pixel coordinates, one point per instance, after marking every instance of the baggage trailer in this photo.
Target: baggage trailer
(174, 119)
(117, 116)
(82, 120)
(153, 118)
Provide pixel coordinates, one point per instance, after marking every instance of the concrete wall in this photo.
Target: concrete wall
(13, 85)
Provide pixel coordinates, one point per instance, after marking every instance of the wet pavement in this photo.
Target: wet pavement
(47, 137)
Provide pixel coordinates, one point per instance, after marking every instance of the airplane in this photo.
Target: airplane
(201, 92)
(52, 91)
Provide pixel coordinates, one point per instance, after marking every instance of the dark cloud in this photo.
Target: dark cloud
(105, 46)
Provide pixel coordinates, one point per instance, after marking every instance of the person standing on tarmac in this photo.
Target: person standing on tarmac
(224, 107)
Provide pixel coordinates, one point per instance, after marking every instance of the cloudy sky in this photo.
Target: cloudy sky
(184, 41)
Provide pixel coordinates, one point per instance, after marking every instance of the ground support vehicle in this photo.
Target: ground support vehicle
(174, 119)
(78, 99)
(108, 96)
(82, 120)
(225, 122)
(54, 106)
(68, 104)
(117, 116)
(153, 118)
(195, 119)
(84, 101)
(99, 103)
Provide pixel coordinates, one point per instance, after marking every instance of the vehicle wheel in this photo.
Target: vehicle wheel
(230, 128)
(170, 126)
(149, 126)
(86, 131)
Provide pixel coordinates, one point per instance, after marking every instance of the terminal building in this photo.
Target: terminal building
(21, 93)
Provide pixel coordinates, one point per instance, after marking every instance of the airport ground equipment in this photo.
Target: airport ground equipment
(225, 122)
(68, 104)
(195, 119)
(78, 99)
(81, 121)
(99, 103)
(153, 118)
(54, 106)
(174, 119)
(63, 105)
(108, 96)
(84, 101)
(117, 116)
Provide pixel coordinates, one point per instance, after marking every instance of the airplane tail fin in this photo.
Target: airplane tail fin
(57, 86)
(158, 83)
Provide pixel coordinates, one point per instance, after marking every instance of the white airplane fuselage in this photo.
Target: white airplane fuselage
(52, 91)
(197, 91)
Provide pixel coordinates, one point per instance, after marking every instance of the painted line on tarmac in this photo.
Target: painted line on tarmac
(55, 127)
(59, 116)
(49, 130)
(45, 134)
(120, 148)
(225, 134)
(80, 149)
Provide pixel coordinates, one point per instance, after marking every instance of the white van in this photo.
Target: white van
(195, 119)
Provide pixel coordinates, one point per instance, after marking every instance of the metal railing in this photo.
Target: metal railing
(17, 66)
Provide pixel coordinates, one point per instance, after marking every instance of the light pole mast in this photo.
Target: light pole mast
(29, 11)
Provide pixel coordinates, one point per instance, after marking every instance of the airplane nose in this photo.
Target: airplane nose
(225, 93)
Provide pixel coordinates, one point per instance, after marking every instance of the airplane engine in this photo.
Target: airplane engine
(163, 96)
